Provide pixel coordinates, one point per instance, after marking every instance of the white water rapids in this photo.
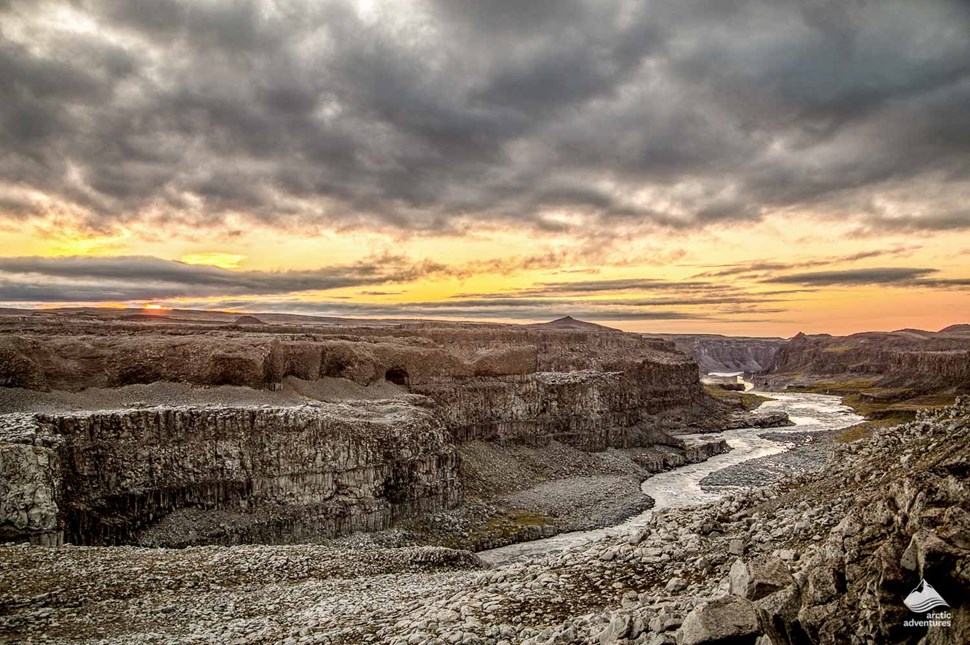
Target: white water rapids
(681, 487)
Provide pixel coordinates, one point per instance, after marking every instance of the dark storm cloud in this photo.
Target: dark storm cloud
(443, 114)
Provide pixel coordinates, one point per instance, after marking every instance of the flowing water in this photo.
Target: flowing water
(682, 486)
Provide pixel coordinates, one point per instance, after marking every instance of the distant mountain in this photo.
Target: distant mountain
(961, 328)
(248, 320)
(568, 322)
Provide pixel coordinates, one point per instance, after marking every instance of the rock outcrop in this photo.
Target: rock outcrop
(725, 620)
(910, 521)
(688, 453)
(756, 578)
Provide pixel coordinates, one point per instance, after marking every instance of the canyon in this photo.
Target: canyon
(820, 557)
(193, 477)
(167, 432)
(714, 353)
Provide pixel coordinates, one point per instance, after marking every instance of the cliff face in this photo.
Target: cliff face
(937, 369)
(29, 485)
(922, 361)
(258, 360)
(72, 363)
(504, 383)
(824, 354)
(909, 522)
(714, 353)
(587, 409)
(275, 474)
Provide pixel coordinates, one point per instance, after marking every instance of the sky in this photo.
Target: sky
(748, 167)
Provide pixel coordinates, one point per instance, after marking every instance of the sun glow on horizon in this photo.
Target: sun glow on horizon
(215, 259)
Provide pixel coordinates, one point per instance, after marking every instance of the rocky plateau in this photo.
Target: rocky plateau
(202, 478)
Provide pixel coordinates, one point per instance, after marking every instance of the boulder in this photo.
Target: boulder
(618, 629)
(676, 584)
(756, 578)
(778, 613)
(736, 546)
(729, 619)
(824, 584)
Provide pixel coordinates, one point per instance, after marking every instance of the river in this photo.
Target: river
(682, 486)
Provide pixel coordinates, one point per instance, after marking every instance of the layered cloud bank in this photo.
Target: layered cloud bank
(134, 279)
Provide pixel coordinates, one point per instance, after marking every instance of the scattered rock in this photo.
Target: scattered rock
(676, 584)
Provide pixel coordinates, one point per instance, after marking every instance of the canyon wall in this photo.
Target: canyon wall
(120, 356)
(938, 369)
(589, 389)
(910, 359)
(586, 409)
(274, 474)
(715, 353)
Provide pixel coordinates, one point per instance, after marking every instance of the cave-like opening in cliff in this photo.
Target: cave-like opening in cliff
(397, 375)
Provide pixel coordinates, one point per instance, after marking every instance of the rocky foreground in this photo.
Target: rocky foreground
(821, 558)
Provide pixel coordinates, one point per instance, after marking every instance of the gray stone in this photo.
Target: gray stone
(757, 577)
(618, 628)
(824, 584)
(724, 620)
(676, 584)
(778, 614)
(736, 546)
